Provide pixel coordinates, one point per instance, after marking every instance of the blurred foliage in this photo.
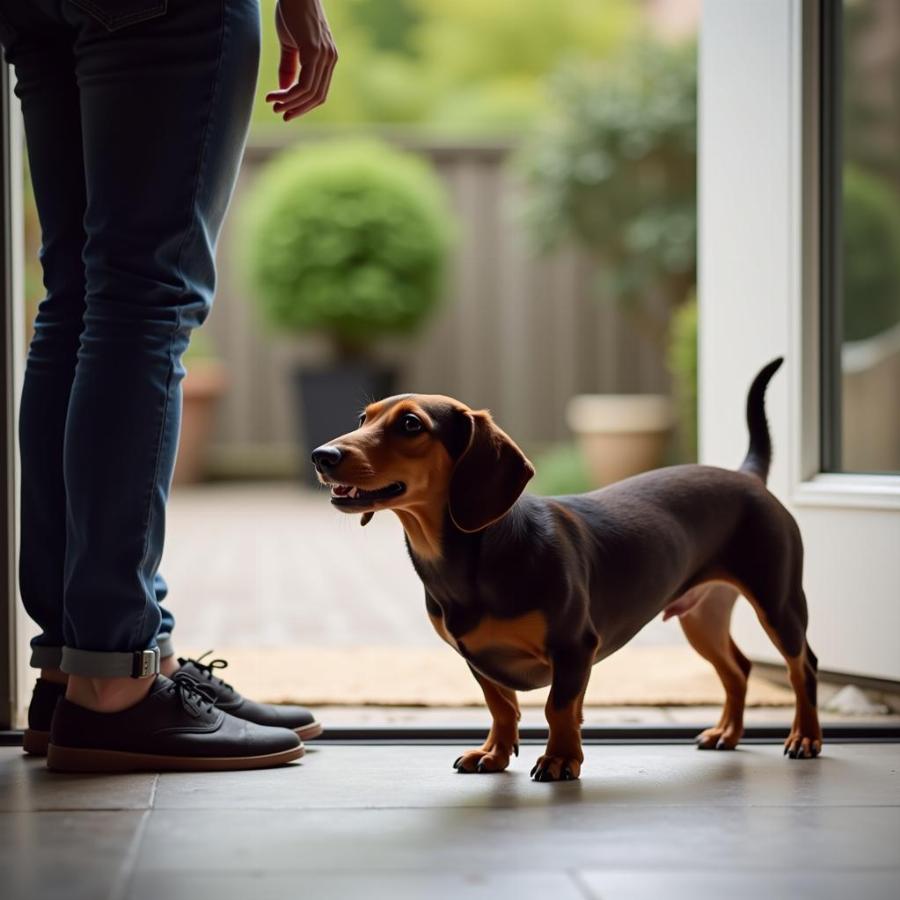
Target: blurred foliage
(34, 276)
(201, 348)
(459, 65)
(870, 98)
(871, 236)
(614, 168)
(348, 239)
(559, 470)
(682, 359)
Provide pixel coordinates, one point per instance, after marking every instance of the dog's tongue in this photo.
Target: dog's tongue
(366, 518)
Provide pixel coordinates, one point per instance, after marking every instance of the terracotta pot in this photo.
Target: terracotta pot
(202, 387)
(620, 434)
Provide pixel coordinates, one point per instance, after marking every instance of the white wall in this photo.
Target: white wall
(759, 299)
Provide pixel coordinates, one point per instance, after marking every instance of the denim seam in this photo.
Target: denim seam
(148, 519)
(113, 23)
(204, 144)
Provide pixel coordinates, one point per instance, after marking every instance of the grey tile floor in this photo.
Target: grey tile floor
(396, 821)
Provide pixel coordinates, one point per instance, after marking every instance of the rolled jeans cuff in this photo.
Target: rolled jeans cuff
(165, 645)
(95, 664)
(45, 657)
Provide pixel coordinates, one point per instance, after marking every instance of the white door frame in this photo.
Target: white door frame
(759, 297)
(13, 665)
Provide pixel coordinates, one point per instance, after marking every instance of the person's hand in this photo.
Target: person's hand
(307, 61)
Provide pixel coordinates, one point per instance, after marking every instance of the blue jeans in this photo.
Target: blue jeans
(136, 114)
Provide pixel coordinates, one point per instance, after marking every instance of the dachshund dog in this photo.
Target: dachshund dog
(532, 591)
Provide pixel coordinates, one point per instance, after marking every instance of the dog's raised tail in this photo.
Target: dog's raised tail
(759, 453)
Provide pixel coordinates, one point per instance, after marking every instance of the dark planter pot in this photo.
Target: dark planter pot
(329, 400)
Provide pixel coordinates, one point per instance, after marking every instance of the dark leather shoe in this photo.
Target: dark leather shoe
(40, 715)
(176, 727)
(297, 718)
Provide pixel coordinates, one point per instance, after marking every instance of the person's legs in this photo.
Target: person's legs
(165, 105)
(163, 113)
(39, 45)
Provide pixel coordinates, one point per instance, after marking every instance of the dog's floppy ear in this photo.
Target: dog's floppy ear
(489, 476)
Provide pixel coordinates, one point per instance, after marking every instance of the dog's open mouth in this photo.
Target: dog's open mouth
(348, 496)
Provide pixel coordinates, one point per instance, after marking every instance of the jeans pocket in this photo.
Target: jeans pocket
(116, 14)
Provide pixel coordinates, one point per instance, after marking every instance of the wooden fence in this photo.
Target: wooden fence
(517, 333)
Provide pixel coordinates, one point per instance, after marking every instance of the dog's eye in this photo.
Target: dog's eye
(411, 424)
(361, 421)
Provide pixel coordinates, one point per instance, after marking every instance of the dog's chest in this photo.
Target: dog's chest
(510, 651)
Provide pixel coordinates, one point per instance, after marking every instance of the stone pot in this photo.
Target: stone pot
(620, 434)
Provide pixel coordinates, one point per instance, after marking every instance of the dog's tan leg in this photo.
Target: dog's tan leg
(707, 626)
(563, 756)
(785, 622)
(503, 739)
(805, 739)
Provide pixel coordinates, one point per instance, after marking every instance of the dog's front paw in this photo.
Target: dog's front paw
(556, 768)
(719, 738)
(482, 761)
(800, 746)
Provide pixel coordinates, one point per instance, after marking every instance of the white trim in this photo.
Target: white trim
(849, 491)
(23, 627)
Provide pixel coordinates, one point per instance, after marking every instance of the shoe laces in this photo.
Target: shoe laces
(207, 668)
(192, 694)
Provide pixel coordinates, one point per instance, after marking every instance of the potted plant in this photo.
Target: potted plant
(347, 240)
(203, 385)
(615, 172)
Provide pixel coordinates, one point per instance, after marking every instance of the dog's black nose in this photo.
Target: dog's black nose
(326, 457)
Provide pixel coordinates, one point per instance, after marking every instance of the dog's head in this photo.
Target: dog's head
(429, 452)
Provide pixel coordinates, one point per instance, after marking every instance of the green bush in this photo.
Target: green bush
(871, 254)
(201, 348)
(683, 366)
(559, 470)
(348, 239)
(615, 171)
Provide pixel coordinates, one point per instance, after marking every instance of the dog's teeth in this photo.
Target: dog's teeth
(353, 492)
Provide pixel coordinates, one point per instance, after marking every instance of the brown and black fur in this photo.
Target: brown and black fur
(532, 591)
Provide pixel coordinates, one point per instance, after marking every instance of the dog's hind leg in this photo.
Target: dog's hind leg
(786, 626)
(805, 739)
(706, 625)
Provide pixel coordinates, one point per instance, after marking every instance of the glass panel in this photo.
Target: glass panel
(867, 275)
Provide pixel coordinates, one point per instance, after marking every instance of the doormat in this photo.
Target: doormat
(424, 676)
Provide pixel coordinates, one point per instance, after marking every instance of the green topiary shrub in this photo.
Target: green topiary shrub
(347, 239)
(871, 257)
